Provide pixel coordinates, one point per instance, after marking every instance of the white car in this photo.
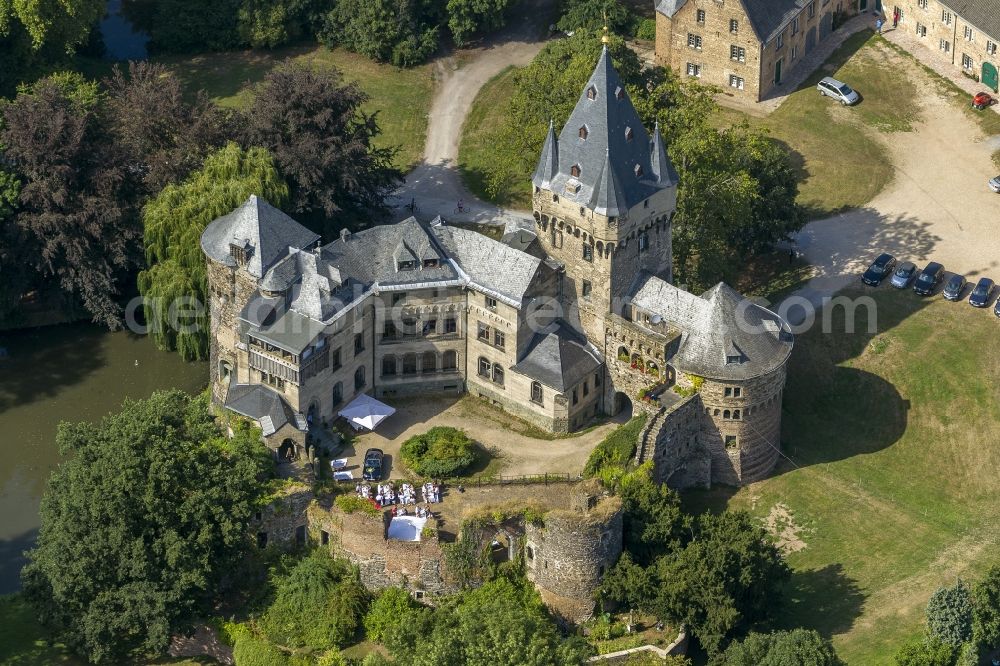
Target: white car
(840, 91)
(995, 184)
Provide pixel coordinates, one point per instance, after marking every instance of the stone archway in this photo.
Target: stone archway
(622, 405)
(287, 451)
(500, 548)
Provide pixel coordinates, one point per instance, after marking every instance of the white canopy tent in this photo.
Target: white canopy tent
(366, 412)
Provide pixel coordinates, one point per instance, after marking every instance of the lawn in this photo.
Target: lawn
(892, 441)
(402, 97)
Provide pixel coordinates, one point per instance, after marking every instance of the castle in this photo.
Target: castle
(557, 324)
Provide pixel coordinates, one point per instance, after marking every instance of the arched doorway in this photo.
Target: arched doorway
(623, 405)
(500, 548)
(286, 451)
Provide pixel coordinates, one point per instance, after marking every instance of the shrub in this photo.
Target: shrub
(799, 646)
(617, 449)
(252, 650)
(440, 452)
(646, 29)
(925, 651)
(353, 503)
(949, 614)
(391, 607)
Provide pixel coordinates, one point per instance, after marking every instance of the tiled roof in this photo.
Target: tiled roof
(717, 327)
(559, 358)
(767, 17)
(613, 161)
(983, 15)
(264, 230)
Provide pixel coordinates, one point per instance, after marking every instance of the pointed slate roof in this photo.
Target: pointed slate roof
(264, 405)
(663, 168)
(723, 335)
(602, 158)
(264, 231)
(560, 358)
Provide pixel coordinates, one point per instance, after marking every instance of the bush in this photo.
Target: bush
(646, 29)
(949, 614)
(440, 452)
(353, 503)
(925, 651)
(799, 646)
(252, 650)
(617, 449)
(389, 608)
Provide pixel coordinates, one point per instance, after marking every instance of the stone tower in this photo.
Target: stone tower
(604, 193)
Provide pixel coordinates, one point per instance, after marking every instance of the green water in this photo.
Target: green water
(72, 372)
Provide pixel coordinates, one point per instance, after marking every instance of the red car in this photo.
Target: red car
(982, 100)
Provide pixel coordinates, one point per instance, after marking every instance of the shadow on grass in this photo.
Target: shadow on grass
(825, 599)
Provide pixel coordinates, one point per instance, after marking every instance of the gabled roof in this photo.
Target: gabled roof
(490, 266)
(262, 229)
(983, 15)
(602, 158)
(767, 17)
(265, 406)
(559, 358)
(723, 335)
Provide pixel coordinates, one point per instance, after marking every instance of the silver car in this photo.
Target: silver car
(840, 91)
(995, 184)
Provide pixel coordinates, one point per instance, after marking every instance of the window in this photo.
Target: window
(969, 35)
(338, 394)
(450, 325)
(409, 364)
(737, 53)
(728, 392)
(694, 41)
(730, 360)
(583, 133)
(588, 252)
(945, 46)
(780, 42)
(482, 332)
(700, 16)
(737, 392)
(450, 360)
(498, 339)
(795, 26)
(591, 92)
(991, 47)
(619, 93)
(586, 389)
(491, 303)
(597, 379)
(693, 69)
(262, 540)
(921, 30)
(429, 362)
(734, 26)
(359, 343)
(575, 171)
(335, 362)
(536, 392)
(587, 288)
(629, 134)
(225, 370)
(946, 17)
(389, 330)
(497, 374)
(736, 415)
(735, 82)
(388, 366)
(967, 61)
(643, 242)
(324, 538)
(430, 327)
(430, 263)
(795, 51)
(812, 8)
(731, 442)
(638, 170)
(576, 398)
(359, 378)
(922, 4)
(484, 367)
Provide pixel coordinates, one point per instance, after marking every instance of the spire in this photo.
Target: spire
(608, 197)
(663, 168)
(548, 162)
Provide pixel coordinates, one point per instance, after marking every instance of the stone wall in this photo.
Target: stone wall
(680, 459)
(285, 520)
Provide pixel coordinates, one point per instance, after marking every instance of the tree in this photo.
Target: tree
(628, 583)
(391, 607)
(190, 25)
(654, 523)
(165, 136)
(65, 24)
(140, 524)
(15, 275)
(925, 651)
(403, 32)
(267, 23)
(592, 15)
(440, 452)
(949, 614)
(174, 221)
(468, 17)
(986, 609)
(323, 143)
(728, 576)
(318, 605)
(799, 647)
(77, 197)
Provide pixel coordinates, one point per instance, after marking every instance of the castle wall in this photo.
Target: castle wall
(674, 438)
(284, 521)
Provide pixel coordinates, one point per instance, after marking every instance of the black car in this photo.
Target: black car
(929, 278)
(954, 287)
(372, 468)
(879, 270)
(996, 308)
(980, 296)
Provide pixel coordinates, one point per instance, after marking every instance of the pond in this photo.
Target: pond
(122, 40)
(72, 372)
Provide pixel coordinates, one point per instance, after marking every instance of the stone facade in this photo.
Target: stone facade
(716, 43)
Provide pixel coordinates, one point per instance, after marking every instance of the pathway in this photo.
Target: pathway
(436, 184)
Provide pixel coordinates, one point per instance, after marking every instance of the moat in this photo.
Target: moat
(71, 372)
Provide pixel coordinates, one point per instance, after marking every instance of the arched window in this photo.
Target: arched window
(450, 360)
(430, 362)
(359, 378)
(497, 374)
(725, 414)
(623, 353)
(575, 171)
(736, 414)
(388, 365)
(536, 392)
(484, 367)
(225, 371)
(583, 133)
(338, 393)
(409, 364)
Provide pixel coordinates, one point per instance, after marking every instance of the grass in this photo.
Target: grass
(402, 97)
(772, 277)
(893, 439)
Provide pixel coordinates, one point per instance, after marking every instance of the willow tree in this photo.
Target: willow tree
(174, 284)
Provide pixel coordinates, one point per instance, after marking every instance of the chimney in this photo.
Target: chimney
(345, 235)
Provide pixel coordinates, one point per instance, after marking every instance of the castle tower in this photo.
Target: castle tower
(604, 193)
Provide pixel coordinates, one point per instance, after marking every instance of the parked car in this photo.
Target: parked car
(954, 287)
(840, 91)
(980, 296)
(995, 184)
(981, 100)
(372, 468)
(929, 278)
(996, 308)
(878, 270)
(901, 278)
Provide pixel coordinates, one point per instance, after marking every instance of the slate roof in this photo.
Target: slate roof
(559, 358)
(767, 17)
(262, 228)
(717, 325)
(497, 269)
(981, 14)
(519, 239)
(260, 403)
(615, 160)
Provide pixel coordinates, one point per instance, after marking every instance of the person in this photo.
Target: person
(895, 17)
(461, 205)
(878, 25)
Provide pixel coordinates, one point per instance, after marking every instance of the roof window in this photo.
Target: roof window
(629, 134)
(575, 171)
(583, 132)
(591, 92)
(638, 171)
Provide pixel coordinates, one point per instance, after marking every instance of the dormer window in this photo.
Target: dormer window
(430, 263)
(734, 360)
(583, 132)
(638, 171)
(619, 93)
(629, 134)
(591, 92)
(241, 252)
(575, 171)
(406, 265)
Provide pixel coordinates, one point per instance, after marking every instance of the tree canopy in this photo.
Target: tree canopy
(174, 221)
(140, 524)
(949, 614)
(440, 452)
(65, 24)
(799, 647)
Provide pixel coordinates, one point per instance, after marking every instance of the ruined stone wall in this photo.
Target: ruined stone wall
(284, 521)
(680, 459)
